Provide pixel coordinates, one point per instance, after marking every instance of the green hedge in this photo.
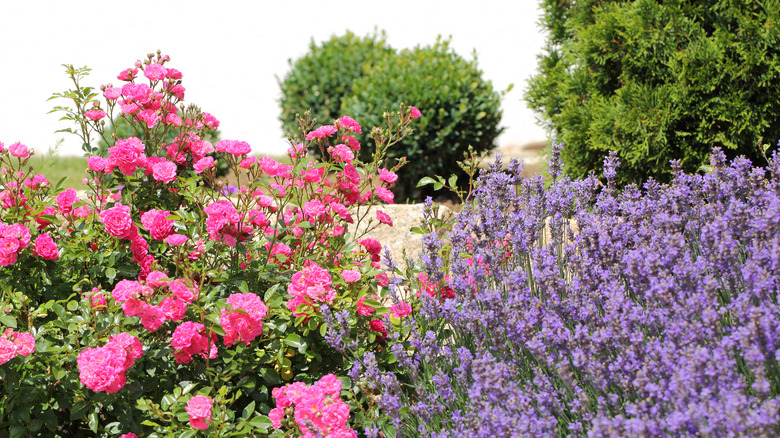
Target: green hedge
(658, 81)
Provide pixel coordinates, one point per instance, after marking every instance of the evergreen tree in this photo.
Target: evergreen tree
(658, 80)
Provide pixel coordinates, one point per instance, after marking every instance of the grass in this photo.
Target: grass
(73, 168)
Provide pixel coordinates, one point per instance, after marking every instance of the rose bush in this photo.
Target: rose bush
(155, 302)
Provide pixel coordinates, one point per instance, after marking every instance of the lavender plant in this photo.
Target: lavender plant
(579, 310)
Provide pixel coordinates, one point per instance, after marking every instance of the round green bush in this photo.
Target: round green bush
(321, 79)
(458, 108)
(657, 81)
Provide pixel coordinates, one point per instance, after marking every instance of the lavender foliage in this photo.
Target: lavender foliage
(582, 311)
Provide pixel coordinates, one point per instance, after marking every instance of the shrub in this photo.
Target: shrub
(322, 78)
(580, 311)
(459, 109)
(657, 81)
(153, 303)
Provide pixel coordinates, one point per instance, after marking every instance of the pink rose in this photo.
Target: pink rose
(65, 201)
(384, 217)
(172, 73)
(164, 171)
(25, 343)
(128, 74)
(150, 117)
(322, 132)
(377, 326)
(314, 209)
(210, 121)
(19, 150)
(46, 248)
(384, 194)
(341, 153)
(401, 309)
(117, 221)
(178, 91)
(157, 223)
(238, 148)
(127, 154)
(349, 123)
(94, 114)
(155, 72)
(351, 142)
(415, 113)
(176, 239)
(112, 93)
(203, 164)
(247, 163)
(387, 176)
(97, 164)
(174, 119)
(350, 275)
(199, 408)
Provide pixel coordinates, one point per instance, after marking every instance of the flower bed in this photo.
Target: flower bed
(156, 305)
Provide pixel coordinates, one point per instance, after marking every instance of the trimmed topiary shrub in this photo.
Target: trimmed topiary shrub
(458, 109)
(658, 81)
(321, 79)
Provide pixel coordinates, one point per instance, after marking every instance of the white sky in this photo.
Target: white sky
(230, 53)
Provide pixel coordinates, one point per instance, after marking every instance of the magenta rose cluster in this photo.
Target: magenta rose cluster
(103, 368)
(315, 410)
(142, 275)
(13, 344)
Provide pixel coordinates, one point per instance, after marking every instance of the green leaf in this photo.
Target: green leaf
(18, 431)
(425, 181)
(78, 410)
(248, 410)
(149, 423)
(8, 321)
(417, 230)
(189, 433)
(73, 305)
(110, 273)
(261, 422)
(270, 292)
(293, 340)
(93, 421)
(243, 287)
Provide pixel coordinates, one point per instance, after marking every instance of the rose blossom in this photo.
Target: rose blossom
(164, 171)
(112, 93)
(384, 194)
(94, 114)
(199, 408)
(350, 275)
(155, 72)
(19, 150)
(45, 247)
(117, 221)
(384, 217)
(148, 116)
(387, 176)
(176, 239)
(65, 201)
(97, 164)
(321, 132)
(203, 164)
(245, 325)
(157, 223)
(349, 123)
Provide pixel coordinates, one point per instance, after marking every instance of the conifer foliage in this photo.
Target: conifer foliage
(658, 81)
